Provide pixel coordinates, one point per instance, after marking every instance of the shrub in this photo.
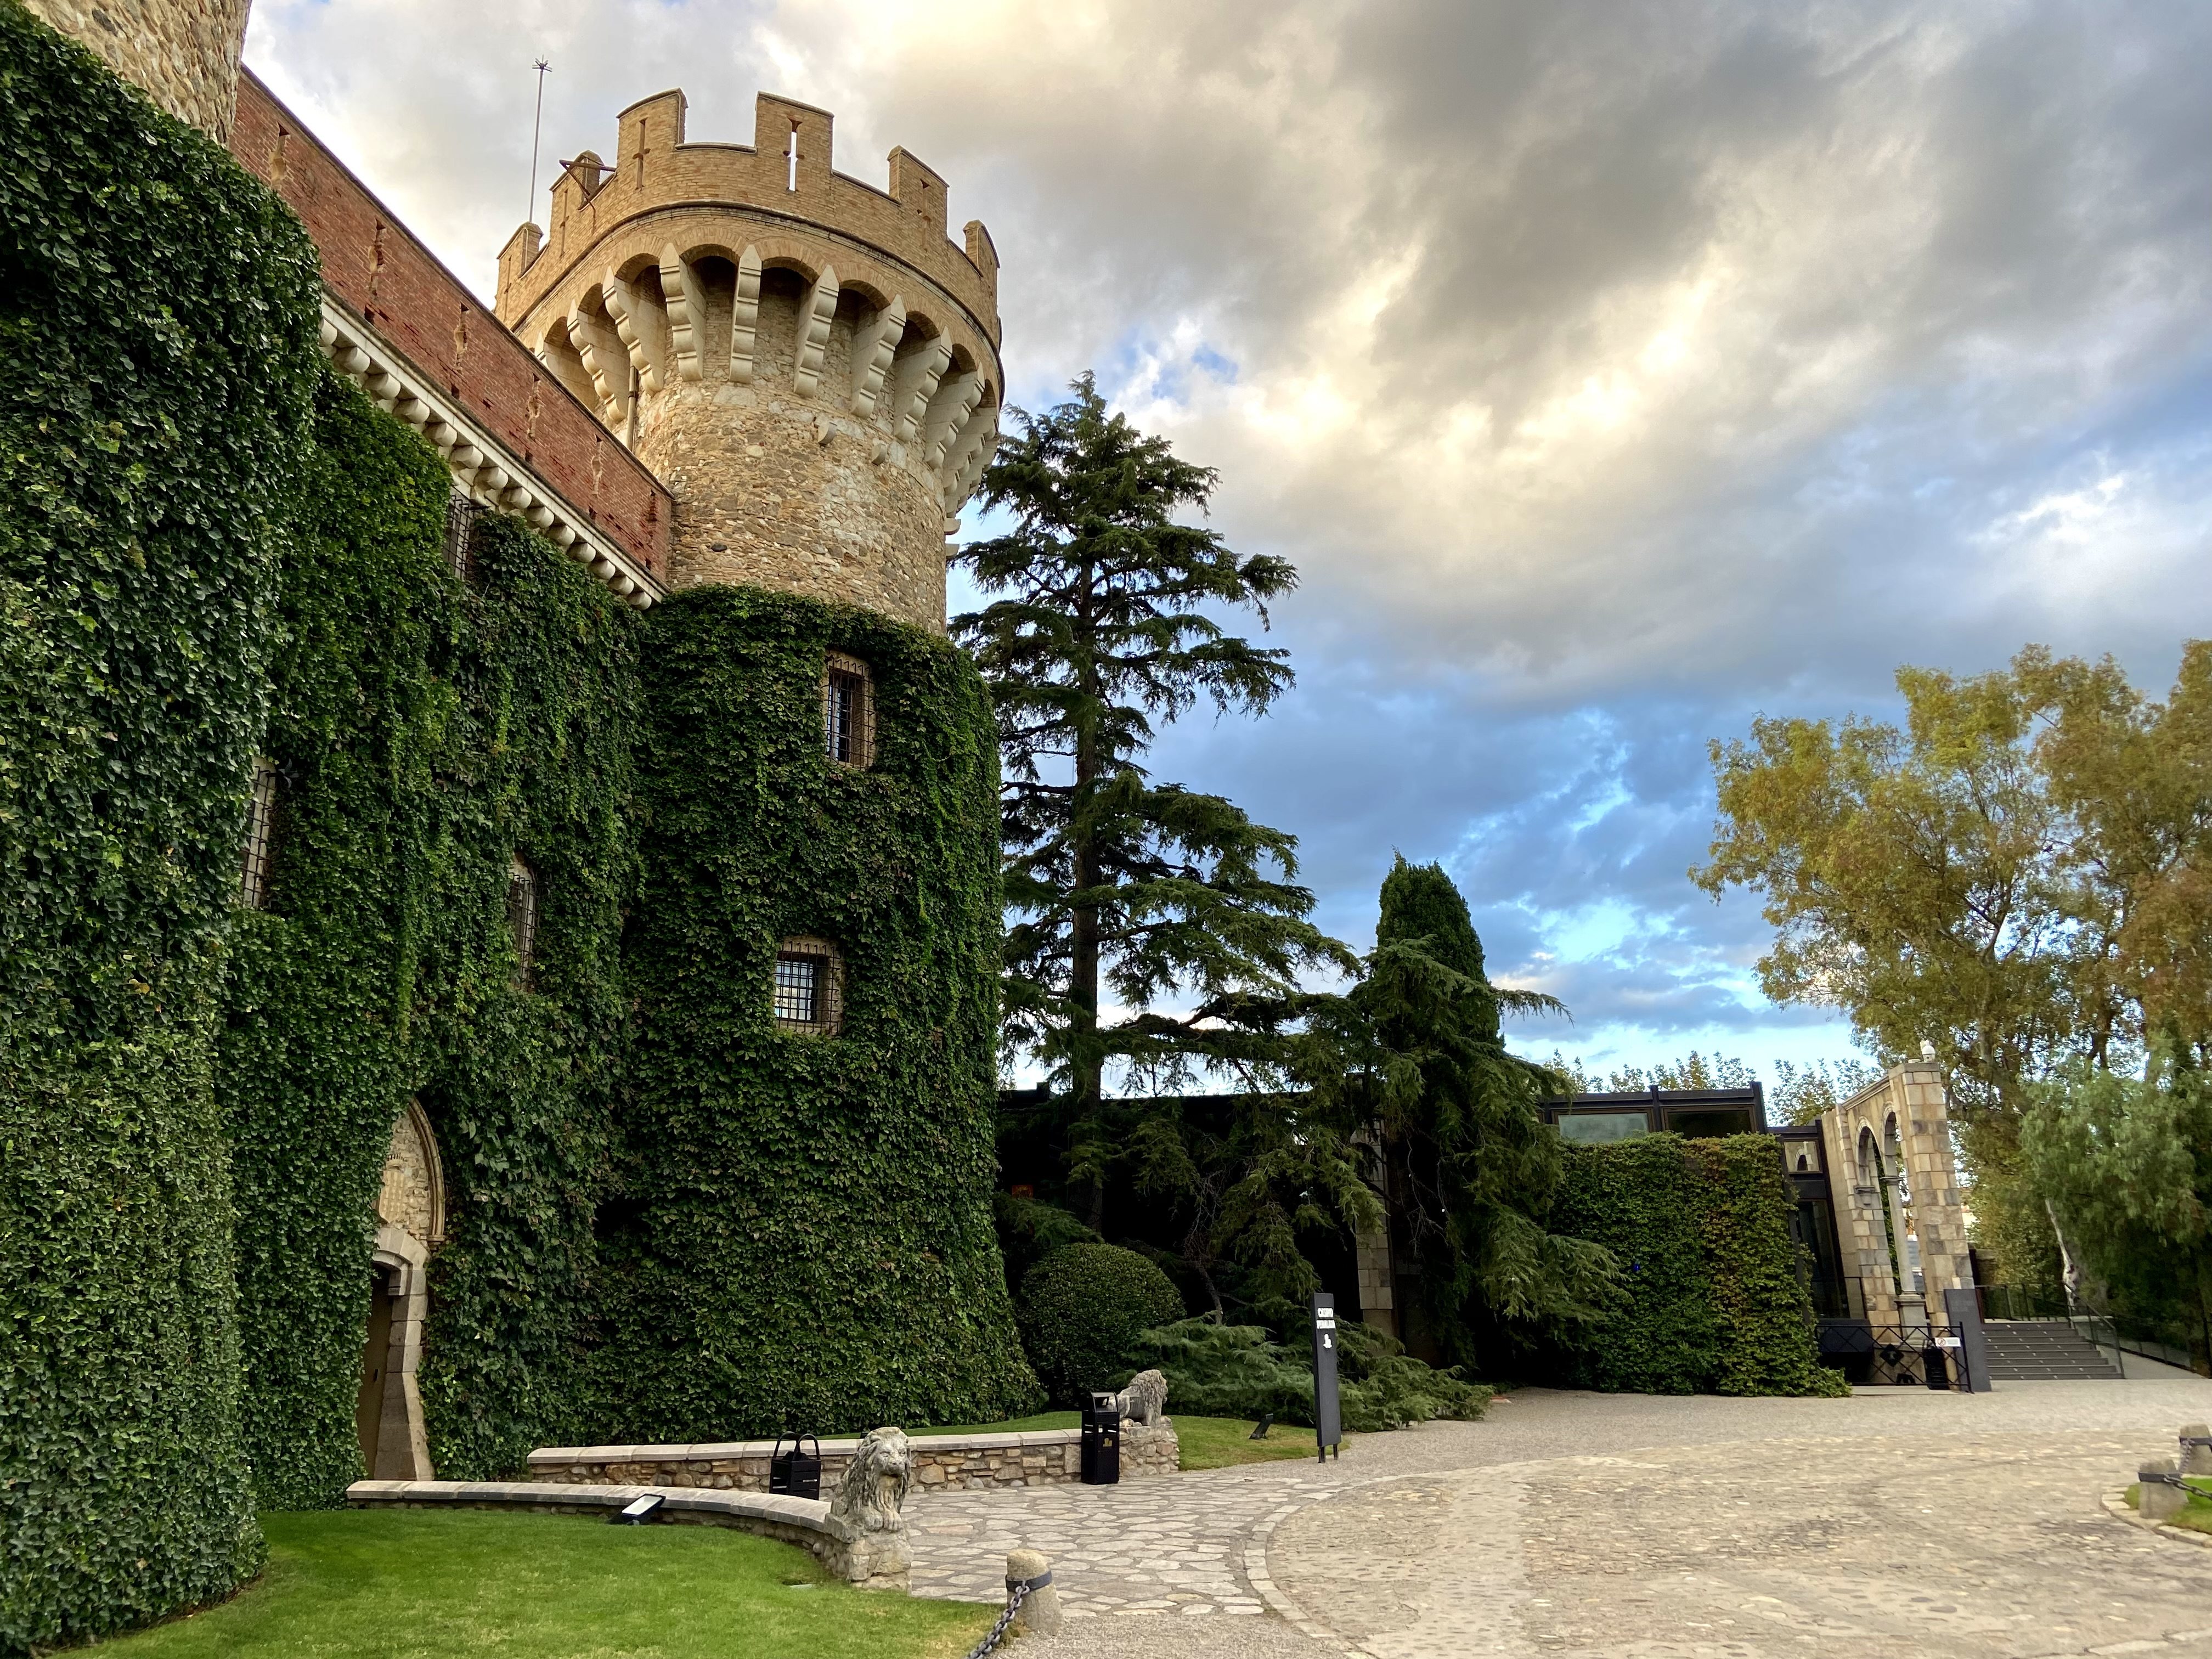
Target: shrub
(1082, 1307)
(1241, 1370)
(1030, 1231)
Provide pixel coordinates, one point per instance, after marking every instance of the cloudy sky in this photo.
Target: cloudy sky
(1611, 373)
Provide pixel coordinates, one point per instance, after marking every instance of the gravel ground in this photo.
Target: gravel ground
(1897, 1521)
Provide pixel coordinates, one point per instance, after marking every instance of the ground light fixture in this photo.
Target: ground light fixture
(638, 1511)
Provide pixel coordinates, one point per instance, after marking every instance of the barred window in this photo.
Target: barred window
(460, 519)
(260, 835)
(809, 987)
(522, 916)
(848, 711)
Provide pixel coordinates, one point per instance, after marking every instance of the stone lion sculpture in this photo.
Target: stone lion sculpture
(1145, 1399)
(865, 1509)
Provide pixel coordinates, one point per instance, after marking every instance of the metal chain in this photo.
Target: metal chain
(1016, 1594)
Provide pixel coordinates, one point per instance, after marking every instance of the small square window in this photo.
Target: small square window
(797, 988)
(260, 854)
(848, 712)
(808, 988)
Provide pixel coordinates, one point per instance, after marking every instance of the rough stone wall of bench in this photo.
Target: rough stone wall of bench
(963, 1463)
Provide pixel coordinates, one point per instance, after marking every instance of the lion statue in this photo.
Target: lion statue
(1145, 1399)
(864, 1510)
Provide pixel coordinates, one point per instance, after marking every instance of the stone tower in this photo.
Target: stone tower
(182, 53)
(808, 363)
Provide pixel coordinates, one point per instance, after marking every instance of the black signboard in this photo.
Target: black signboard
(1328, 1426)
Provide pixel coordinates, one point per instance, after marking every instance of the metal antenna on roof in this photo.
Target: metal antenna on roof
(537, 126)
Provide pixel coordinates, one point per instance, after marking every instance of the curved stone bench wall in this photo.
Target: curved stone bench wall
(946, 1463)
(801, 1520)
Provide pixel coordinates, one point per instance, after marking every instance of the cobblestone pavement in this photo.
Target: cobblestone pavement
(1892, 1524)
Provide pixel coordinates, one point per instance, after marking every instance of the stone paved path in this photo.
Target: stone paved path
(1890, 1525)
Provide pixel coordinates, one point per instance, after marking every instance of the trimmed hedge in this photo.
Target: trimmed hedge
(1714, 1302)
(803, 1232)
(157, 357)
(427, 731)
(1082, 1307)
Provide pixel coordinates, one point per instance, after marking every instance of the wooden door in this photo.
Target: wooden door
(368, 1406)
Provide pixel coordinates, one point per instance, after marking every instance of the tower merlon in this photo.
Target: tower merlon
(787, 173)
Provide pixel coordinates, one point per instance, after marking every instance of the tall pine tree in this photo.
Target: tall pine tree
(1120, 887)
(1469, 1165)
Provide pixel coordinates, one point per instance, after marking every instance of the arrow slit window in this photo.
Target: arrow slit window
(522, 916)
(260, 855)
(848, 711)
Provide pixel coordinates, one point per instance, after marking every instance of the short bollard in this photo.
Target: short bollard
(2195, 1448)
(1039, 1615)
(2158, 1495)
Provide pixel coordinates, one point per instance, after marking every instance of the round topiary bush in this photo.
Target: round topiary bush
(1082, 1306)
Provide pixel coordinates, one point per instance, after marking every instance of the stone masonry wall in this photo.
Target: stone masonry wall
(965, 1462)
(182, 53)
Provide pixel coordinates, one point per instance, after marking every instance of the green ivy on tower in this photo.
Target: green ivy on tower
(157, 359)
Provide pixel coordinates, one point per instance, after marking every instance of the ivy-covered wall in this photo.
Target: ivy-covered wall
(1715, 1303)
(157, 356)
(428, 730)
(803, 1230)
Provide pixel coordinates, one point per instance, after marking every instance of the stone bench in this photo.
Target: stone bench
(942, 1462)
(801, 1520)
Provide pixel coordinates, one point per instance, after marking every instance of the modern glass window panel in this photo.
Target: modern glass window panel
(1601, 1128)
(1710, 1123)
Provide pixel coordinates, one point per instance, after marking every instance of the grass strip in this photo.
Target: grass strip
(431, 1584)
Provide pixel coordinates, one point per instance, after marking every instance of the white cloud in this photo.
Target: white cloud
(1609, 372)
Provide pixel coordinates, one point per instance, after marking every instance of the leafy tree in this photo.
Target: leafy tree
(2127, 1163)
(1414, 1055)
(1120, 887)
(2021, 876)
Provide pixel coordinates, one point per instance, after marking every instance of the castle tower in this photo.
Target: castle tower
(182, 53)
(807, 362)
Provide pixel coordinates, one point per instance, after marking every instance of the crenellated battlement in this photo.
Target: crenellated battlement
(657, 168)
(807, 362)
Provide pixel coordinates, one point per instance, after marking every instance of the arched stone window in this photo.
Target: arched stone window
(809, 986)
(522, 916)
(1893, 1158)
(848, 711)
(1869, 1172)
(410, 1216)
(260, 852)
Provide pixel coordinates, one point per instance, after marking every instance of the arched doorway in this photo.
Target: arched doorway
(410, 1215)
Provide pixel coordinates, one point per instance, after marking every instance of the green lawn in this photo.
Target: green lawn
(2196, 1517)
(432, 1583)
(1208, 1443)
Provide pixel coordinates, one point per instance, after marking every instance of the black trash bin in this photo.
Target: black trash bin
(1101, 1441)
(794, 1473)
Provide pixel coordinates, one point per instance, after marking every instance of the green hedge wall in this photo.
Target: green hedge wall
(427, 731)
(803, 1230)
(1714, 1300)
(157, 357)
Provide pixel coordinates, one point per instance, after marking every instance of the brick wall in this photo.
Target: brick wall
(377, 268)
